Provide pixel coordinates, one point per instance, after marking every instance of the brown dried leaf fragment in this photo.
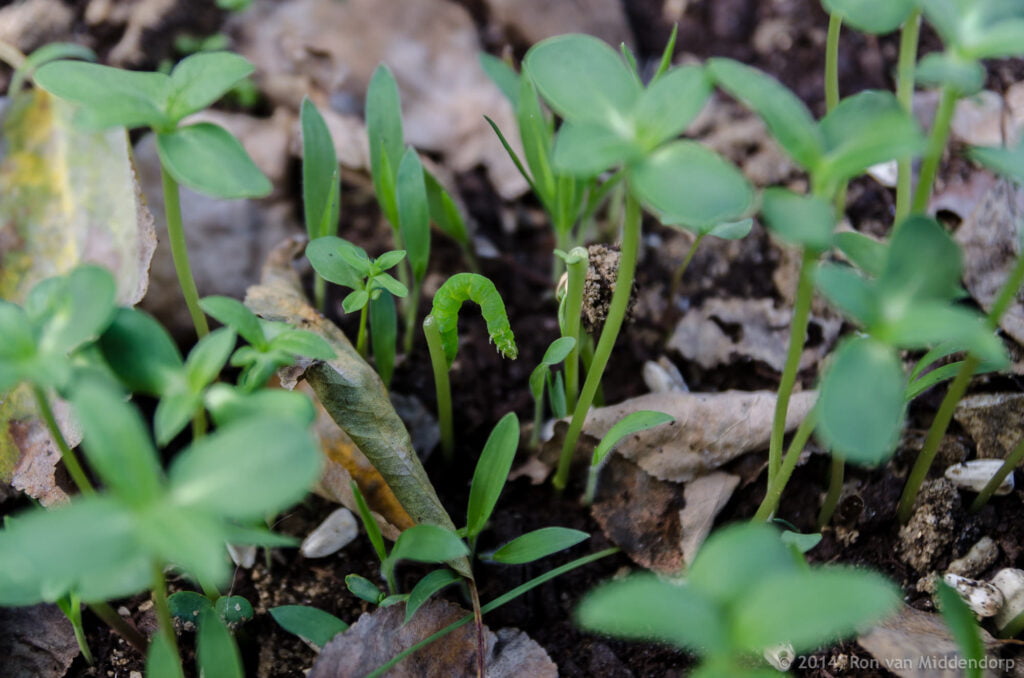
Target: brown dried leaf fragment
(36, 642)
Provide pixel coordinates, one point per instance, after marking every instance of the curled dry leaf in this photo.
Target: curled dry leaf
(69, 196)
(705, 497)
(351, 392)
(379, 635)
(916, 644)
(431, 47)
(723, 330)
(36, 642)
(710, 429)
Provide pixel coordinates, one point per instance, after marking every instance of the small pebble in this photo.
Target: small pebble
(242, 556)
(976, 560)
(336, 532)
(974, 475)
(1010, 582)
(984, 599)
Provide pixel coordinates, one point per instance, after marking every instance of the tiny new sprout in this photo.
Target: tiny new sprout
(634, 422)
(202, 156)
(441, 328)
(321, 185)
(541, 381)
(746, 592)
(342, 263)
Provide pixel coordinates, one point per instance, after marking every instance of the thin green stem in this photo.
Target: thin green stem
(412, 304)
(609, 333)
(775, 488)
(1011, 462)
(179, 252)
(937, 139)
(797, 337)
(71, 606)
(677, 275)
(905, 69)
(593, 474)
(478, 622)
(361, 337)
(1007, 294)
(163, 610)
(835, 28)
(835, 488)
(442, 386)
(577, 278)
(66, 453)
(319, 292)
(491, 606)
(120, 625)
(11, 55)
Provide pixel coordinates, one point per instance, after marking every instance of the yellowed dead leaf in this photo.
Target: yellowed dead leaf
(69, 197)
(710, 429)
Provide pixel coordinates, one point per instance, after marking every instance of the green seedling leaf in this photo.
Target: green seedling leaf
(301, 343)
(234, 610)
(923, 264)
(201, 79)
(642, 607)
(449, 298)
(388, 260)
(177, 406)
(963, 626)
(363, 588)
(383, 281)
(384, 129)
(558, 351)
(537, 544)
(413, 212)
(394, 599)
(556, 395)
(849, 292)
(116, 442)
(929, 323)
(670, 104)
(1005, 161)
(724, 569)
(630, 58)
(443, 212)
(947, 69)
(234, 314)
(191, 539)
(667, 54)
(425, 589)
(18, 350)
(786, 116)
(207, 358)
(274, 460)
(861, 401)
(228, 404)
(808, 608)
(187, 607)
(427, 544)
(982, 29)
(634, 422)
(140, 351)
(732, 230)
(110, 96)
(338, 261)
(216, 653)
(355, 301)
(369, 524)
(309, 623)
(162, 660)
(208, 159)
(583, 79)
(544, 197)
(689, 185)
(872, 16)
(71, 310)
(491, 473)
(54, 51)
(863, 130)
(802, 220)
(585, 149)
(800, 541)
(384, 335)
(865, 252)
(502, 75)
(537, 135)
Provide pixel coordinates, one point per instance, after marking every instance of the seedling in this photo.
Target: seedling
(633, 422)
(321, 184)
(312, 625)
(441, 329)
(746, 592)
(541, 381)
(202, 156)
(342, 263)
(570, 307)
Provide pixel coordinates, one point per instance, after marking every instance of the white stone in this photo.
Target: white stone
(334, 534)
(976, 560)
(1010, 582)
(974, 475)
(984, 599)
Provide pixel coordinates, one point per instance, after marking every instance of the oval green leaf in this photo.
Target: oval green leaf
(321, 203)
(491, 473)
(200, 79)
(802, 220)
(670, 104)
(110, 96)
(634, 422)
(872, 16)
(309, 623)
(427, 587)
(538, 544)
(208, 159)
(413, 212)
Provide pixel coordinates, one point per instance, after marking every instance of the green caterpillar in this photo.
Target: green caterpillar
(449, 298)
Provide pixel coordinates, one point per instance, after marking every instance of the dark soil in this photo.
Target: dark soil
(485, 387)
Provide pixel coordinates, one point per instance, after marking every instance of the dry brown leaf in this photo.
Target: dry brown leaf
(379, 635)
(534, 20)
(911, 643)
(431, 47)
(705, 497)
(991, 244)
(640, 514)
(36, 642)
(993, 421)
(723, 331)
(710, 429)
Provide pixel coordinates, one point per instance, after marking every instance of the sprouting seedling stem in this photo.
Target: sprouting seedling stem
(66, 453)
(361, 336)
(179, 252)
(905, 95)
(677, 275)
(115, 621)
(775, 486)
(835, 29)
(954, 393)
(442, 385)
(163, 610)
(937, 139)
(613, 323)
(835, 488)
(797, 337)
(577, 264)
